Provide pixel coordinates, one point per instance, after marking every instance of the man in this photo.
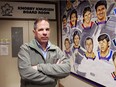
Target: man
(78, 52)
(88, 26)
(67, 50)
(41, 63)
(89, 54)
(101, 14)
(65, 26)
(73, 18)
(74, 24)
(101, 11)
(114, 61)
(105, 23)
(88, 62)
(105, 53)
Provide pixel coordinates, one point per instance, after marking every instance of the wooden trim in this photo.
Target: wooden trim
(60, 85)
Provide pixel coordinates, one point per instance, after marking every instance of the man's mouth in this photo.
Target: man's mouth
(101, 14)
(44, 38)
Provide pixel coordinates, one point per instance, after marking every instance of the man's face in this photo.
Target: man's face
(68, 4)
(101, 13)
(89, 45)
(67, 44)
(103, 45)
(42, 33)
(64, 22)
(87, 17)
(73, 19)
(115, 61)
(76, 40)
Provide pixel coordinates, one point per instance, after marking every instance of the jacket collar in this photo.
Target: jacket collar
(34, 45)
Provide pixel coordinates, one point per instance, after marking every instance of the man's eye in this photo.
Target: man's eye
(40, 29)
(103, 8)
(47, 29)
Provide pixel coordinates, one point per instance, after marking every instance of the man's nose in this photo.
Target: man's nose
(101, 11)
(44, 31)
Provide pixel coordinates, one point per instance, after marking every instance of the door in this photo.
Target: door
(9, 75)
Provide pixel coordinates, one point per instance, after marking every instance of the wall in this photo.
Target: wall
(9, 76)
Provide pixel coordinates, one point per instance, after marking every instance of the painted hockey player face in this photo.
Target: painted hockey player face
(76, 40)
(67, 44)
(68, 4)
(101, 13)
(87, 17)
(73, 19)
(103, 45)
(64, 22)
(89, 45)
(115, 61)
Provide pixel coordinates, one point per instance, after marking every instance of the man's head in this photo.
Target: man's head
(64, 21)
(67, 43)
(76, 38)
(42, 30)
(114, 58)
(89, 44)
(68, 4)
(73, 17)
(104, 42)
(87, 14)
(101, 9)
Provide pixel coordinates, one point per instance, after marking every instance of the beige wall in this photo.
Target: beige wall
(9, 76)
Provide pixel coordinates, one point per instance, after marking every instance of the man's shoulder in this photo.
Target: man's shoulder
(25, 45)
(53, 46)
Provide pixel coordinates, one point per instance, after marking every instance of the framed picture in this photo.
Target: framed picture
(89, 39)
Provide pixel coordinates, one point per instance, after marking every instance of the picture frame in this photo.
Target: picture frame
(88, 39)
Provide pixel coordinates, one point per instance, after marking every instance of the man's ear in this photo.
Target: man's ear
(33, 31)
(109, 43)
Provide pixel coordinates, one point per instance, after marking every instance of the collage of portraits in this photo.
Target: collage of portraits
(89, 39)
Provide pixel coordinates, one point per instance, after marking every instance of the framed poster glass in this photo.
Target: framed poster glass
(89, 38)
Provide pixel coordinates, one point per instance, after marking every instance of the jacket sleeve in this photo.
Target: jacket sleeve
(27, 72)
(60, 70)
